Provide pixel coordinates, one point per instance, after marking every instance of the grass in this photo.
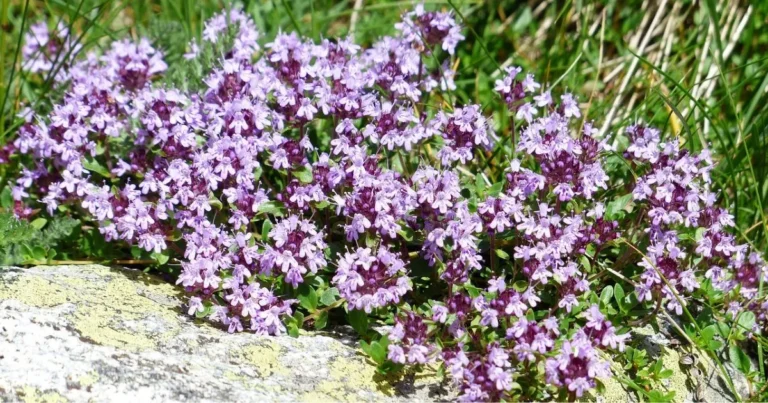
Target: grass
(698, 70)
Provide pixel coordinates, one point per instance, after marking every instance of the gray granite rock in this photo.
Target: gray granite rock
(93, 333)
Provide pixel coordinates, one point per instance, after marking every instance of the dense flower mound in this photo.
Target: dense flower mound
(306, 169)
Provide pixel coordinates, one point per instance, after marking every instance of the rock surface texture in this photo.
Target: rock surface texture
(93, 333)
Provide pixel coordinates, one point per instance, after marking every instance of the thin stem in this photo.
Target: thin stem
(493, 252)
(317, 313)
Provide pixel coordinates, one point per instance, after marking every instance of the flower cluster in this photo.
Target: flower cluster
(676, 187)
(370, 281)
(411, 345)
(298, 249)
(46, 51)
(303, 168)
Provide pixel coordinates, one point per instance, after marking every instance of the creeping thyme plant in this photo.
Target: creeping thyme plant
(303, 184)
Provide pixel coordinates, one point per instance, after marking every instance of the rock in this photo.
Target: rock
(93, 333)
(699, 381)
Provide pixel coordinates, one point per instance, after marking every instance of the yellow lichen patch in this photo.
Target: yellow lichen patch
(34, 291)
(240, 378)
(314, 397)
(335, 390)
(356, 374)
(251, 383)
(265, 358)
(347, 377)
(614, 391)
(29, 394)
(105, 323)
(678, 381)
(88, 379)
(113, 307)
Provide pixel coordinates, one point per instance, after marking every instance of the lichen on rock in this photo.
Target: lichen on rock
(94, 333)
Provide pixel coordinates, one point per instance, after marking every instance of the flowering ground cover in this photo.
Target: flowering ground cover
(288, 180)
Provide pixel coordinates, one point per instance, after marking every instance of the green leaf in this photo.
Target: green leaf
(303, 174)
(39, 223)
(370, 242)
(495, 190)
(480, 185)
(272, 207)
(586, 263)
(299, 318)
(265, 228)
(740, 359)
(365, 347)
(95, 167)
(658, 396)
(322, 320)
(136, 252)
(657, 367)
(618, 294)
(6, 198)
(714, 345)
(161, 258)
(358, 320)
(617, 208)
(708, 333)
(378, 353)
(329, 296)
(520, 285)
(214, 202)
(473, 291)
(606, 295)
(176, 235)
(723, 329)
(502, 254)
(746, 321)
(307, 297)
(39, 253)
(406, 233)
(665, 373)
(293, 330)
(207, 310)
